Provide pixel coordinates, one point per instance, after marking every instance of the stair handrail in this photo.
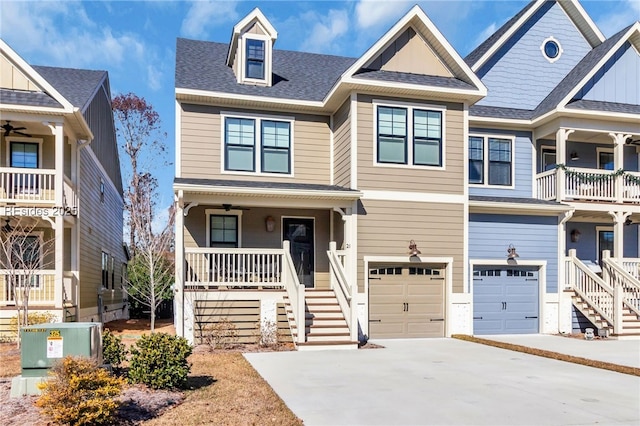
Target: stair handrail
(295, 291)
(588, 290)
(343, 291)
(629, 284)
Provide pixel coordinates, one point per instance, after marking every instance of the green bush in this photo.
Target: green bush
(79, 392)
(113, 350)
(32, 319)
(159, 361)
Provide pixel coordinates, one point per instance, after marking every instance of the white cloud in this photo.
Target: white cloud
(203, 15)
(485, 34)
(325, 31)
(626, 13)
(375, 13)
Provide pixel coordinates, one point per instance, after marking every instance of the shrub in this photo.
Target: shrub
(113, 350)
(79, 392)
(32, 319)
(159, 361)
(220, 335)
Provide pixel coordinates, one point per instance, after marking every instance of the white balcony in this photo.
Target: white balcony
(38, 285)
(588, 185)
(34, 187)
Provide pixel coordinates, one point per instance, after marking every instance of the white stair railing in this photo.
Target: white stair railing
(591, 288)
(621, 280)
(632, 266)
(344, 292)
(295, 291)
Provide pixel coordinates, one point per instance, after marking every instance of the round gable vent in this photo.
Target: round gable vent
(551, 49)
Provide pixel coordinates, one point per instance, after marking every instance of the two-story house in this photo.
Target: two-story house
(322, 193)
(553, 171)
(60, 180)
(408, 192)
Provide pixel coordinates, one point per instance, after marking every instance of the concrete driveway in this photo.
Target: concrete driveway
(446, 382)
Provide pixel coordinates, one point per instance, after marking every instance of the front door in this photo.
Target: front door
(299, 233)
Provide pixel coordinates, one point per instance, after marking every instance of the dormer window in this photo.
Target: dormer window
(255, 59)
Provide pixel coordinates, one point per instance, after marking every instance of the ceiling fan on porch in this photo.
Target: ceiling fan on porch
(229, 207)
(8, 129)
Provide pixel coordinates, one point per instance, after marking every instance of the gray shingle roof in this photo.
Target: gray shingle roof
(500, 112)
(405, 77)
(260, 185)
(485, 46)
(584, 104)
(23, 97)
(201, 65)
(531, 201)
(584, 67)
(77, 86)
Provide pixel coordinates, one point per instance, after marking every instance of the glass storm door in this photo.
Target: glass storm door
(299, 233)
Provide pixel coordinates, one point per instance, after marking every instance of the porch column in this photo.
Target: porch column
(58, 132)
(618, 232)
(351, 244)
(619, 140)
(179, 259)
(561, 158)
(59, 262)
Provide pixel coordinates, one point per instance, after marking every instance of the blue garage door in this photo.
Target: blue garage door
(505, 300)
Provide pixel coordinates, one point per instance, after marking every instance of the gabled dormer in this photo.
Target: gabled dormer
(251, 49)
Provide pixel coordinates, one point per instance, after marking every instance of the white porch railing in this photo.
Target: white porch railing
(590, 287)
(39, 284)
(33, 185)
(589, 184)
(345, 292)
(70, 198)
(632, 266)
(246, 269)
(622, 281)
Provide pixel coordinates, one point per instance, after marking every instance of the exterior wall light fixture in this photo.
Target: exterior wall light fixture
(511, 252)
(574, 156)
(575, 235)
(270, 223)
(413, 249)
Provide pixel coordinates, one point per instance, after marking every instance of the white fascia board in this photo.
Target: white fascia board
(33, 109)
(234, 96)
(35, 76)
(500, 121)
(600, 64)
(240, 26)
(242, 191)
(418, 87)
(498, 44)
(502, 207)
(586, 20)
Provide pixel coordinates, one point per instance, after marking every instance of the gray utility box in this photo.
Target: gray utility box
(44, 344)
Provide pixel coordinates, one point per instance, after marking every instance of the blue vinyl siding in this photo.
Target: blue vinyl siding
(586, 247)
(588, 155)
(518, 75)
(618, 80)
(522, 155)
(535, 238)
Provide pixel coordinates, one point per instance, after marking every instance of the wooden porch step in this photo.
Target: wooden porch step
(327, 345)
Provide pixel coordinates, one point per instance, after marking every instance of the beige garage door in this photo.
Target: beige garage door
(406, 301)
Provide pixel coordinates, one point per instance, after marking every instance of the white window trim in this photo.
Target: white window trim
(544, 54)
(267, 59)
(222, 212)
(410, 107)
(109, 256)
(10, 139)
(40, 236)
(544, 148)
(485, 160)
(258, 143)
(600, 149)
(598, 230)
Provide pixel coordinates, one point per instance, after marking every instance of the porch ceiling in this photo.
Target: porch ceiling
(599, 217)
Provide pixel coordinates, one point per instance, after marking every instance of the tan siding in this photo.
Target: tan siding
(342, 145)
(387, 227)
(402, 56)
(100, 229)
(201, 153)
(12, 78)
(450, 180)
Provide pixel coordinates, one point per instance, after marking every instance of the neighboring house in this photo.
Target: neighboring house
(378, 196)
(560, 127)
(59, 169)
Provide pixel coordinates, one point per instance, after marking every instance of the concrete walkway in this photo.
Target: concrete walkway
(446, 382)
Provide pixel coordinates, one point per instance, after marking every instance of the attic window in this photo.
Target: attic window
(255, 59)
(551, 49)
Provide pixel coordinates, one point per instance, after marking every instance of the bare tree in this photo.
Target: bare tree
(151, 271)
(25, 253)
(139, 129)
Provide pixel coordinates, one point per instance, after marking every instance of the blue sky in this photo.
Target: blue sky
(135, 40)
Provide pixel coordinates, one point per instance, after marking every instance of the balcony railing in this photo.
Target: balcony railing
(39, 285)
(589, 184)
(35, 187)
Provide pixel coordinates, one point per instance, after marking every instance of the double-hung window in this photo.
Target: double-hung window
(490, 161)
(409, 136)
(257, 145)
(255, 59)
(223, 231)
